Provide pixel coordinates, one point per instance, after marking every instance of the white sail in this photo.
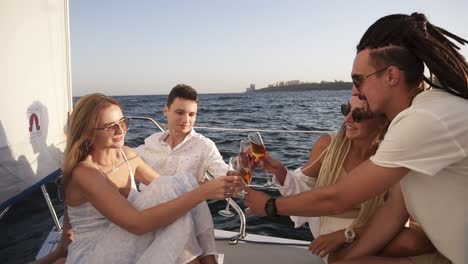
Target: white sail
(35, 88)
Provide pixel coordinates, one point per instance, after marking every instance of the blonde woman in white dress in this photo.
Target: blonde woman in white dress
(114, 223)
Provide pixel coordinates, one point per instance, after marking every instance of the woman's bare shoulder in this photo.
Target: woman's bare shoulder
(129, 152)
(84, 170)
(322, 143)
(312, 166)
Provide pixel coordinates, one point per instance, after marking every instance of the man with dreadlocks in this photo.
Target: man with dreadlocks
(424, 153)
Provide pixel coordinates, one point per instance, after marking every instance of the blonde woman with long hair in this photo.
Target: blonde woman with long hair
(114, 223)
(330, 159)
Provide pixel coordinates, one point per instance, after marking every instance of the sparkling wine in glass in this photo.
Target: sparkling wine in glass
(256, 144)
(239, 165)
(258, 151)
(245, 152)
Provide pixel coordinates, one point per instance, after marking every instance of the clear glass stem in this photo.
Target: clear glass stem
(227, 205)
(269, 182)
(242, 192)
(226, 212)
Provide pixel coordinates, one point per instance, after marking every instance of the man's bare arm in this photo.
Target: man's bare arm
(362, 183)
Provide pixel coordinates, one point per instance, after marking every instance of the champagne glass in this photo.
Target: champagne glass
(244, 152)
(244, 145)
(257, 145)
(233, 164)
(239, 165)
(258, 151)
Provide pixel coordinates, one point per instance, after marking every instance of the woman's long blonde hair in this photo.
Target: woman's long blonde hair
(331, 170)
(82, 121)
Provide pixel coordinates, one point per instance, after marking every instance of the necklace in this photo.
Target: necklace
(114, 168)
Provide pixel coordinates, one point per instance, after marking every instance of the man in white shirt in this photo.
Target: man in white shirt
(424, 155)
(180, 148)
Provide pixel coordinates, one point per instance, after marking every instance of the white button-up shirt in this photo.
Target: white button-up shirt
(196, 154)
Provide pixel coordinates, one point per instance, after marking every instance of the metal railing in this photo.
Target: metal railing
(4, 211)
(148, 119)
(58, 227)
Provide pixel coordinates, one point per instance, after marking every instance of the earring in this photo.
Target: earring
(87, 145)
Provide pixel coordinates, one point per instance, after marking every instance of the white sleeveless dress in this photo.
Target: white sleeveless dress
(98, 240)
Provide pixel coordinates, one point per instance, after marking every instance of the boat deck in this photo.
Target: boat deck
(264, 249)
(254, 249)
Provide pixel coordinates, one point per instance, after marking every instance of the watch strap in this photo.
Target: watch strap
(270, 208)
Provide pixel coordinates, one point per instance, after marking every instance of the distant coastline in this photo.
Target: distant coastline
(337, 85)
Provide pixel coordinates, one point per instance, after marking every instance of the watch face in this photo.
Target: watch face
(349, 235)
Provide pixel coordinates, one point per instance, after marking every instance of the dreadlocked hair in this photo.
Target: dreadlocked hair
(409, 42)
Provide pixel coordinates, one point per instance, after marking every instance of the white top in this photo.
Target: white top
(296, 182)
(196, 154)
(89, 224)
(431, 139)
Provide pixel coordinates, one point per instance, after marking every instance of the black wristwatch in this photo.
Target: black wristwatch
(270, 208)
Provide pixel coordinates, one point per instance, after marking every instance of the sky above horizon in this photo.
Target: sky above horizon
(147, 47)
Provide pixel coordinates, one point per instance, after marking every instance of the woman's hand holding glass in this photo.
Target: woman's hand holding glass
(220, 188)
(273, 166)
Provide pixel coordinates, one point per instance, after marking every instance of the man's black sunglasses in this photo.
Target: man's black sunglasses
(359, 79)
